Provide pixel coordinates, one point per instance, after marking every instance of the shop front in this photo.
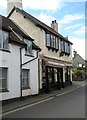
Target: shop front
(55, 74)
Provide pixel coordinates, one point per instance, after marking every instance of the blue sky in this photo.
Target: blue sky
(70, 15)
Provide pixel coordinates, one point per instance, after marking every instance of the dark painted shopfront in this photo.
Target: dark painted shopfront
(52, 74)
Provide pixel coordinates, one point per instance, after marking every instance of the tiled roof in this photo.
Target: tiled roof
(15, 32)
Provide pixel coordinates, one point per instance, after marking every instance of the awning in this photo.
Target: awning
(55, 62)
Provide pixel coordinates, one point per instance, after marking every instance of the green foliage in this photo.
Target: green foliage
(79, 74)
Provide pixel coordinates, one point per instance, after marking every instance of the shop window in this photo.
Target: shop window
(50, 75)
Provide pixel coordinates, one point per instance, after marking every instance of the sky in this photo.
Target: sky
(70, 15)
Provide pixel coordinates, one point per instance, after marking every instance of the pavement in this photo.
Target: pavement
(40, 97)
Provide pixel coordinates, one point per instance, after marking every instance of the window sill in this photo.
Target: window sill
(4, 50)
(26, 88)
(4, 90)
(53, 49)
(29, 55)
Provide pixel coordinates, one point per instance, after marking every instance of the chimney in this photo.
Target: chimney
(75, 53)
(12, 3)
(54, 25)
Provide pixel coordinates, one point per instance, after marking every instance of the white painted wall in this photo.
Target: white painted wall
(33, 66)
(11, 60)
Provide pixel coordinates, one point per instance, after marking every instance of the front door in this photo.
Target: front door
(61, 77)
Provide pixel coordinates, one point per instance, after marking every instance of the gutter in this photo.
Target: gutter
(31, 59)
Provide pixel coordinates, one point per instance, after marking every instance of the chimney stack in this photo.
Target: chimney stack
(12, 3)
(54, 25)
(75, 53)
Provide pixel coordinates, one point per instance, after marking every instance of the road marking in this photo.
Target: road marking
(67, 91)
(38, 102)
(26, 106)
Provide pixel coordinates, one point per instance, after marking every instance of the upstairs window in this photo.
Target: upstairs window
(57, 43)
(4, 39)
(67, 47)
(62, 46)
(52, 42)
(29, 46)
(48, 41)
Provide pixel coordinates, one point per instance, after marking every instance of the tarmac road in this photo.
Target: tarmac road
(70, 105)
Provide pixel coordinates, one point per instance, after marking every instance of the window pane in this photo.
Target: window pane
(67, 47)
(5, 40)
(57, 43)
(25, 78)
(3, 78)
(29, 46)
(1, 38)
(62, 46)
(52, 41)
(48, 40)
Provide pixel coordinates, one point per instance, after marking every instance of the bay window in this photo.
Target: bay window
(52, 42)
(57, 43)
(62, 46)
(48, 41)
(67, 47)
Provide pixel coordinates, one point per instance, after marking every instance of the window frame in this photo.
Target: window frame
(27, 79)
(62, 46)
(48, 41)
(3, 89)
(3, 33)
(29, 46)
(52, 39)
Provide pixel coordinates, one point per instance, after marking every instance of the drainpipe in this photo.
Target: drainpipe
(21, 68)
(21, 72)
(31, 59)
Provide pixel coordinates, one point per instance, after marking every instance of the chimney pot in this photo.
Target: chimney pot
(54, 25)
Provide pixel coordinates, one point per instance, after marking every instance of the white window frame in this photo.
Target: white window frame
(27, 78)
(3, 77)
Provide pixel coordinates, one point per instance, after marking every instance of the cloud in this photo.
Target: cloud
(3, 3)
(81, 31)
(43, 4)
(45, 18)
(78, 45)
(71, 18)
(3, 7)
(73, 26)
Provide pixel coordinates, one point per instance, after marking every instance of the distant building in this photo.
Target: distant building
(78, 61)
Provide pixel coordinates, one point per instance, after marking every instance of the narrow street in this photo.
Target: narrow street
(70, 105)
